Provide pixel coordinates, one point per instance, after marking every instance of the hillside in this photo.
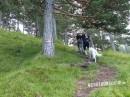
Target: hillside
(24, 72)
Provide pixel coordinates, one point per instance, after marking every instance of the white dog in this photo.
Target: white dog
(93, 54)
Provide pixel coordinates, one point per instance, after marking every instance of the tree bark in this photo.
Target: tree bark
(91, 42)
(54, 29)
(112, 42)
(37, 27)
(48, 41)
(18, 25)
(65, 38)
(0, 19)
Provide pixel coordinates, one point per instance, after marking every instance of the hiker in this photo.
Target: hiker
(85, 41)
(88, 42)
(79, 43)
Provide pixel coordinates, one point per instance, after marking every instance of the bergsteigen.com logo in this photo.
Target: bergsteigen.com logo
(105, 83)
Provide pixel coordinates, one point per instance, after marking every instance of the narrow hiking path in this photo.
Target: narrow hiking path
(103, 74)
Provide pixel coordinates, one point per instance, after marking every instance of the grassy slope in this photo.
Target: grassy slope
(24, 72)
(121, 62)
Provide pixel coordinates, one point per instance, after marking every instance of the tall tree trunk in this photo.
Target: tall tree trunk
(54, 28)
(23, 27)
(18, 25)
(112, 42)
(0, 19)
(9, 22)
(37, 27)
(48, 45)
(41, 29)
(91, 42)
(65, 38)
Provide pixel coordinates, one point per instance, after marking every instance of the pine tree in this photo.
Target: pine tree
(48, 45)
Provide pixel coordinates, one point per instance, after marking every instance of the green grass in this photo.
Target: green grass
(25, 72)
(121, 62)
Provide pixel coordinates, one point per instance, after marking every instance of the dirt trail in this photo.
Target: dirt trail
(103, 74)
